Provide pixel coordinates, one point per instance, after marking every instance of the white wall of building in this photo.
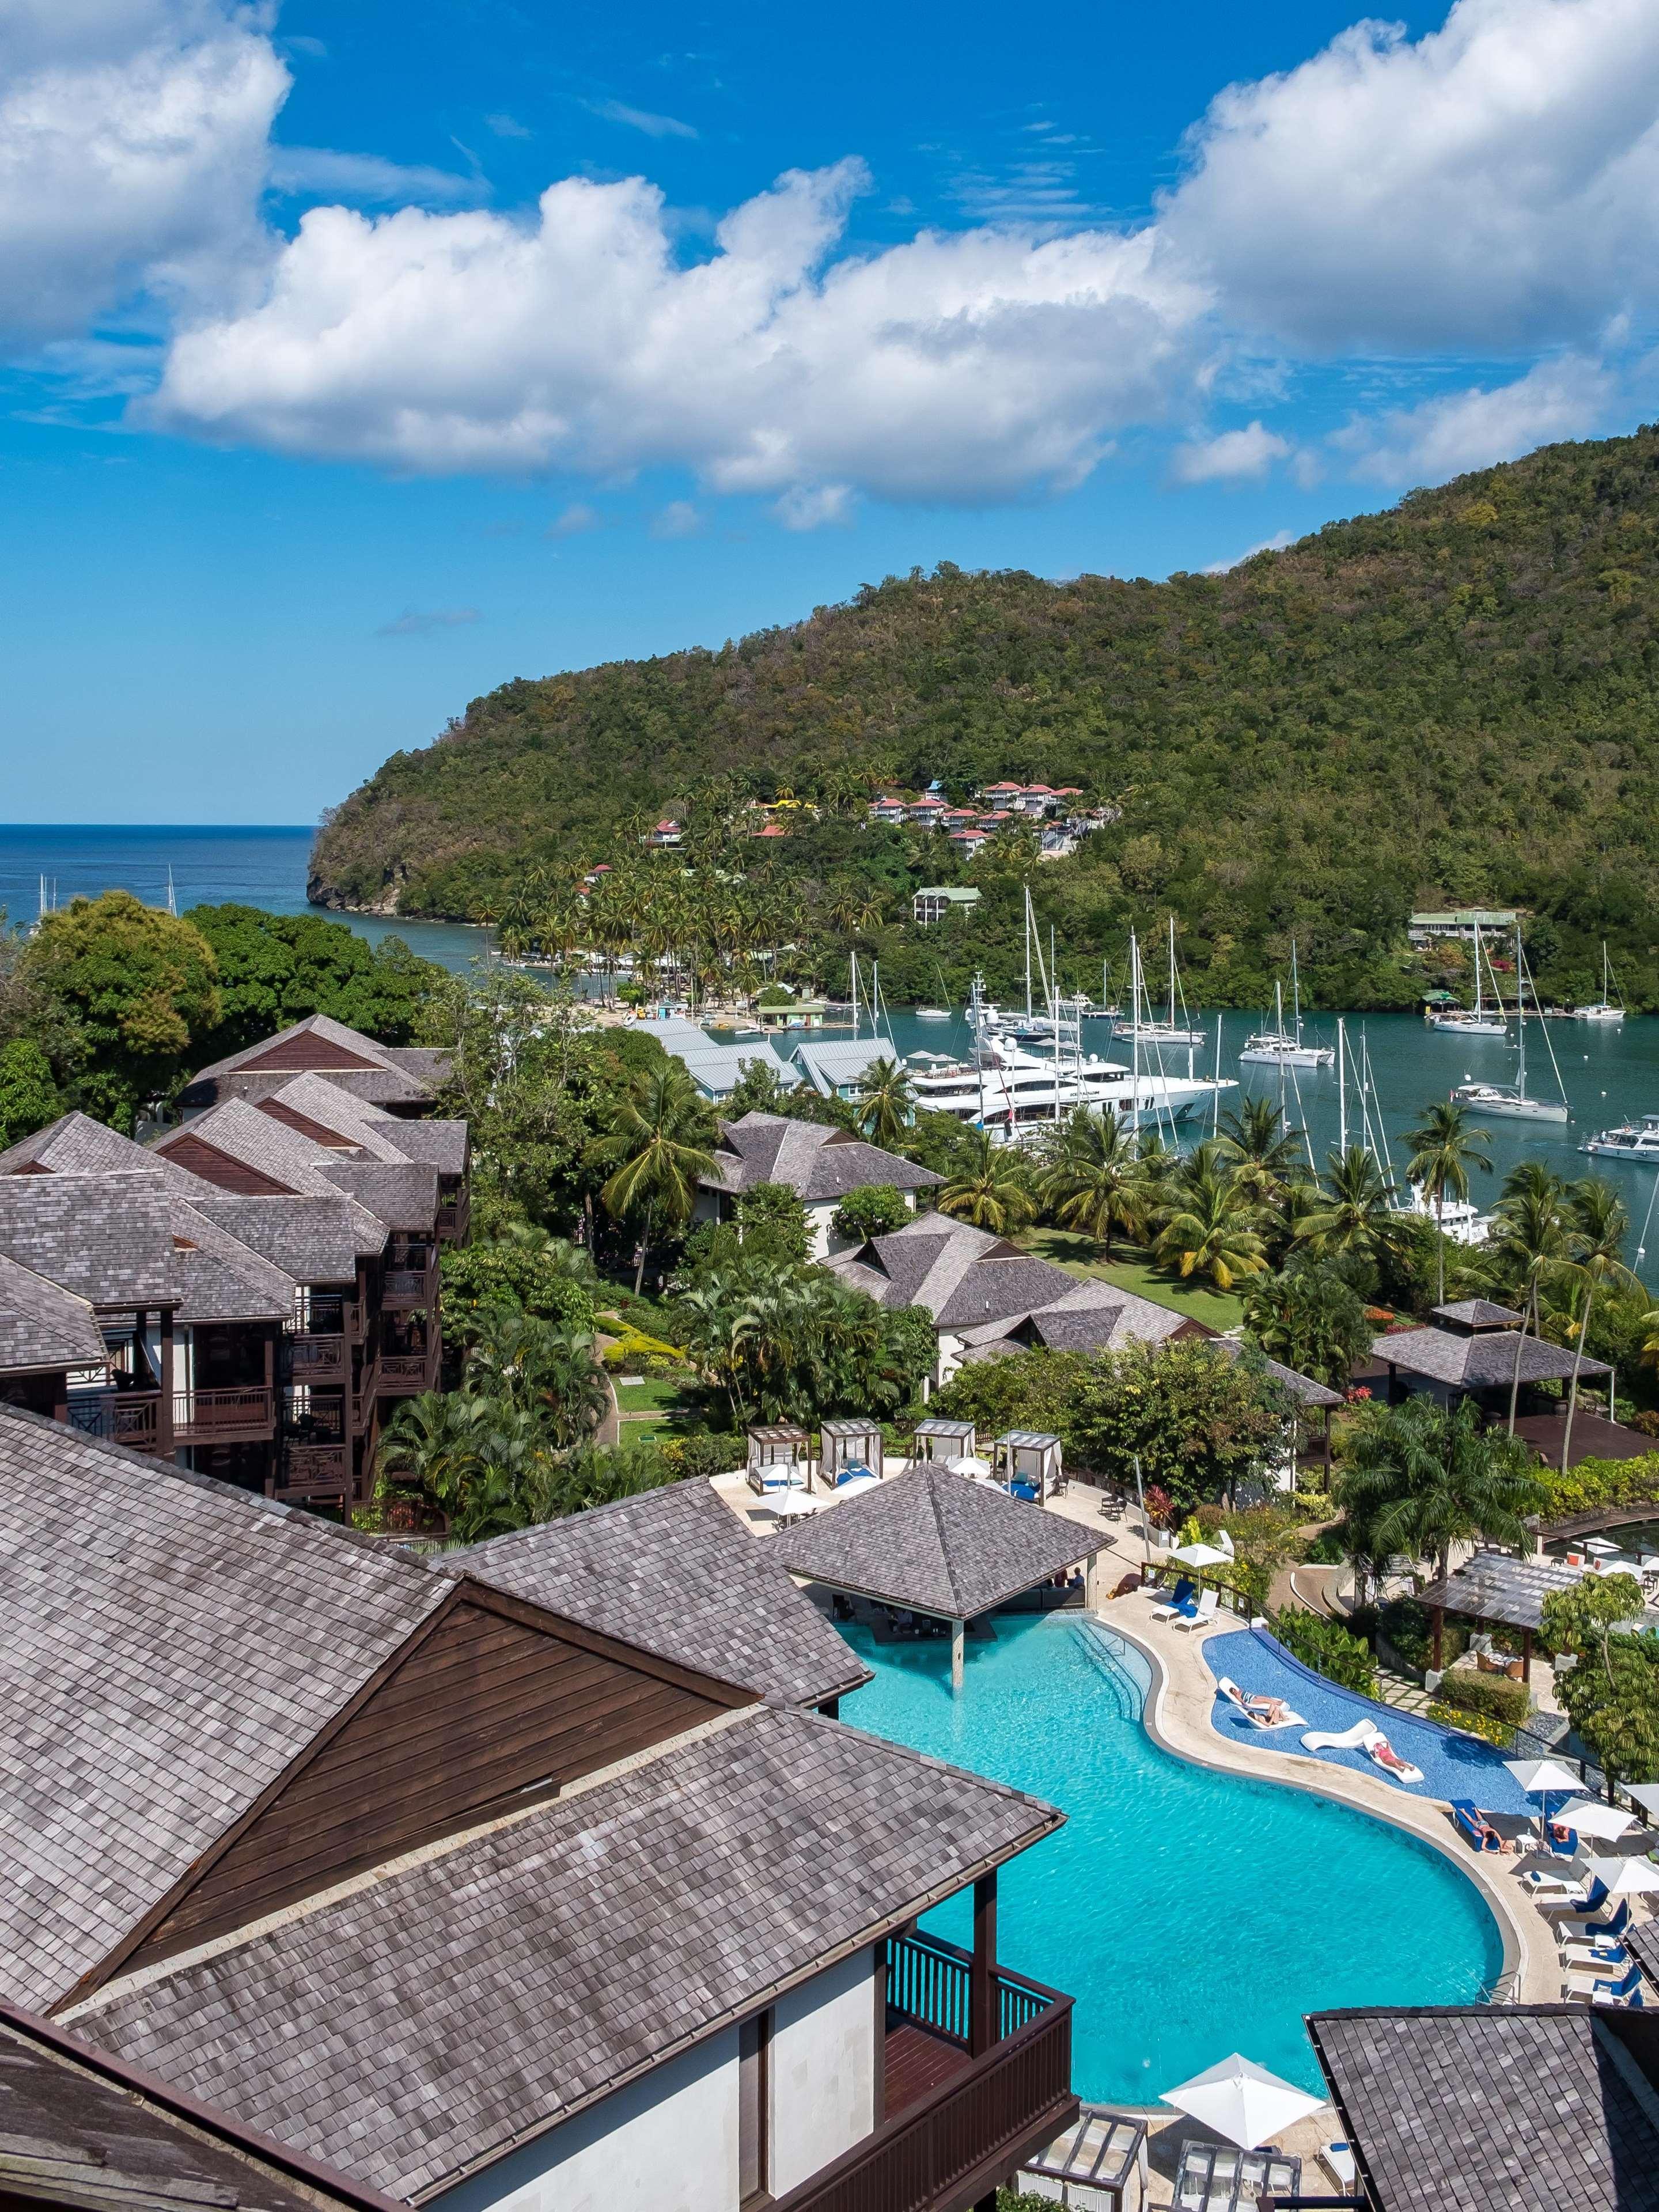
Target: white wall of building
(667, 2143)
(824, 2062)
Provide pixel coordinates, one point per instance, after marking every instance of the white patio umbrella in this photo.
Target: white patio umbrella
(969, 1463)
(1593, 1816)
(1542, 1777)
(1646, 1794)
(1242, 2101)
(1202, 1555)
(1627, 1877)
(794, 1506)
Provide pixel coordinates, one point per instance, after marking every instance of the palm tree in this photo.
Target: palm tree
(1093, 1180)
(1310, 1320)
(1444, 1147)
(1418, 1480)
(989, 1187)
(884, 1102)
(1597, 1227)
(1531, 1230)
(1207, 1224)
(1263, 1148)
(431, 1444)
(662, 1143)
(1355, 1212)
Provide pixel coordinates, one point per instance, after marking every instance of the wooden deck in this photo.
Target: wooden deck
(916, 2061)
(1594, 1437)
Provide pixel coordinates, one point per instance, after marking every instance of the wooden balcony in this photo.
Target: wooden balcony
(316, 1358)
(314, 1471)
(409, 1290)
(404, 1374)
(455, 1217)
(131, 1417)
(224, 1417)
(956, 2122)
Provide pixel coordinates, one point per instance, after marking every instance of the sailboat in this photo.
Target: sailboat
(1282, 1048)
(1511, 1099)
(1606, 1008)
(1143, 1028)
(1472, 1021)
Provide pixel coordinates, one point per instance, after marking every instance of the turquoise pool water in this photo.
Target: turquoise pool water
(1189, 1913)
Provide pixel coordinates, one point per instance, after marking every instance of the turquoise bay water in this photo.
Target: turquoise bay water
(1190, 1913)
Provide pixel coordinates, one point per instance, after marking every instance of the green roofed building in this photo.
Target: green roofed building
(1459, 921)
(937, 900)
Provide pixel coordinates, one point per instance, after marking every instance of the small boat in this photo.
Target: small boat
(1472, 1021)
(1606, 1008)
(933, 1014)
(1510, 1100)
(1282, 1048)
(1629, 1141)
(1142, 1027)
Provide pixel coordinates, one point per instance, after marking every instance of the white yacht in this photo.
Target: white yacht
(1018, 1094)
(1606, 1008)
(1282, 1048)
(1631, 1140)
(1142, 1027)
(1472, 1021)
(1511, 1100)
(1461, 1221)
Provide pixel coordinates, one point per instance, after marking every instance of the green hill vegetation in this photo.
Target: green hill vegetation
(1449, 704)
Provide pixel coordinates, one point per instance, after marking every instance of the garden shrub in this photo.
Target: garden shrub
(704, 1456)
(1327, 1647)
(875, 1211)
(1481, 1724)
(1406, 1625)
(1495, 1695)
(1595, 1482)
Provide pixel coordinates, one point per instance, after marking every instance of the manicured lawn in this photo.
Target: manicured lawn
(1080, 1255)
(661, 1395)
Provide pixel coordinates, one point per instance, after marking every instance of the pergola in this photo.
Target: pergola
(941, 1440)
(938, 1544)
(778, 1450)
(1497, 1587)
(842, 1444)
(1029, 1455)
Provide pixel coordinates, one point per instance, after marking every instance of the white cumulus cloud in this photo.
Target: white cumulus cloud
(1491, 186)
(978, 364)
(1571, 397)
(1232, 454)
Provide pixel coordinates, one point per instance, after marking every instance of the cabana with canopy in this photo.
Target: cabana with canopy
(1027, 1463)
(935, 1441)
(936, 1545)
(1495, 1587)
(780, 1458)
(845, 1445)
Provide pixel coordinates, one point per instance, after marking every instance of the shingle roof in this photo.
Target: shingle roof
(1302, 1388)
(502, 1981)
(383, 1136)
(170, 1646)
(404, 1195)
(1478, 1363)
(818, 1163)
(1477, 1313)
(965, 1276)
(311, 1240)
(42, 1326)
(438, 1144)
(108, 1238)
(718, 1069)
(78, 2128)
(1097, 1316)
(76, 1145)
(322, 1026)
(405, 1074)
(303, 1168)
(1505, 2108)
(226, 1279)
(936, 1542)
(1496, 1586)
(677, 1574)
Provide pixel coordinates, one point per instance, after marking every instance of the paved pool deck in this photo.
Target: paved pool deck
(1178, 1714)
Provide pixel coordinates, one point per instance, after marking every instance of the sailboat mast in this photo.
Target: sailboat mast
(1477, 971)
(1520, 1018)
(1341, 1086)
(1172, 985)
(1134, 1032)
(1028, 952)
(1296, 993)
(1215, 1101)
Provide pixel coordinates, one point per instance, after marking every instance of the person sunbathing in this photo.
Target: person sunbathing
(1489, 1839)
(1262, 1708)
(1387, 1757)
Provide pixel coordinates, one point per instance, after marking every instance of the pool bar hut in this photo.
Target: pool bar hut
(1495, 1589)
(937, 1441)
(780, 1458)
(1026, 1462)
(930, 1543)
(845, 1447)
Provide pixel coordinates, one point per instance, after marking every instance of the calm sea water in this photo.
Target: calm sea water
(1190, 1912)
(1609, 1074)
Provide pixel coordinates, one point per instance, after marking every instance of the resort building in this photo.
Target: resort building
(404, 1079)
(822, 1166)
(1460, 922)
(474, 1894)
(1474, 1350)
(837, 1066)
(716, 1069)
(940, 901)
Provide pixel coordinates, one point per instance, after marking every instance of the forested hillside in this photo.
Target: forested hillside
(1451, 703)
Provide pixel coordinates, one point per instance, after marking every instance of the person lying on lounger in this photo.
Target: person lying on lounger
(1272, 1710)
(1389, 1758)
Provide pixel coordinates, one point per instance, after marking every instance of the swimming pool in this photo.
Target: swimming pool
(1190, 1913)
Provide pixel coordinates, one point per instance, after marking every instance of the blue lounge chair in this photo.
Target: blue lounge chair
(1563, 1842)
(1024, 1490)
(1604, 1989)
(855, 1471)
(1610, 1929)
(1184, 1601)
(1473, 1827)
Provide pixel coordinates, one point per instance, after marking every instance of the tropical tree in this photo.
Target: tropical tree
(1597, 1225)
(1355, 1210)
(1308, 1318)
(990, 1186)
(1418, 1480)
(540, 1368)
(1444, 1147)
(29, 1096)
(1092, 1179)
(885, 1102)
(1207, 1223)
(1612, 1693)
(1529, 1238)
(663, 1142)
(1262, 1148)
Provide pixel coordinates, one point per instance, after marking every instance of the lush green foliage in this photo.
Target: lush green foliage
(1595, 1482)
(29, 1096)
(1416, 1480)
(1612, 1693)
(775, 1209)
(1495, 1695)
(660, 1141)
(1326, 1646)
(139, 984)
(276, 969)
(1308, 1317)
(875, 1211)
(1451, 703)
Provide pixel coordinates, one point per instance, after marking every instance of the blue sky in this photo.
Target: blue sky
(316, 424)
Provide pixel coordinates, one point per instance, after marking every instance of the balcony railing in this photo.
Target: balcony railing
(120, 1416)
(953, 2144)
(223, 1416)
(400, 1373)
(405, 1288)
(307, 1469)
(455, 1217)
(315, 1358)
